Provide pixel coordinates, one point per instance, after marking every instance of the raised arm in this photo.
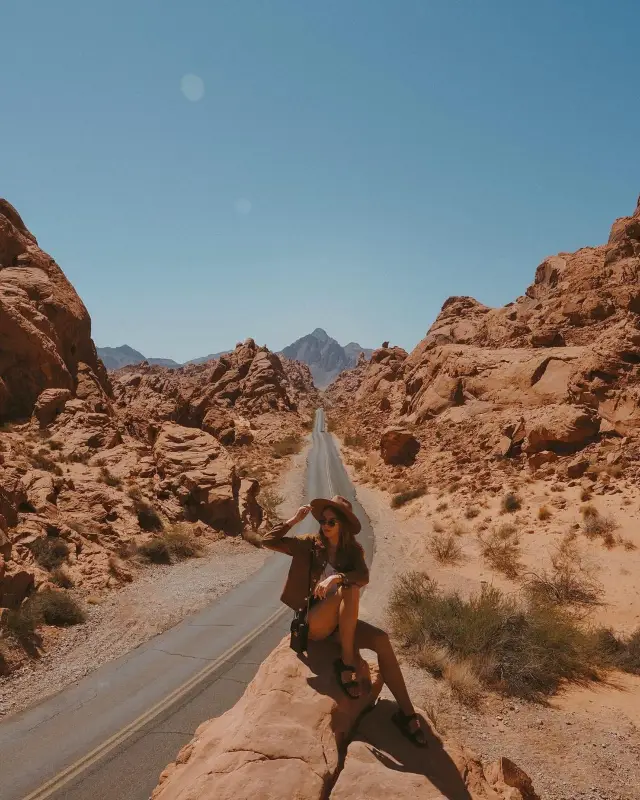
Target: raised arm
(277, 539)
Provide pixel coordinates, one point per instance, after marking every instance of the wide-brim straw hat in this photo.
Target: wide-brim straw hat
(342, 505)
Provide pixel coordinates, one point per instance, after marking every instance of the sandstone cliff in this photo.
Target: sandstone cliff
(553, 373)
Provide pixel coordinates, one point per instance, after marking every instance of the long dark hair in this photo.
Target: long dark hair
(347, 539)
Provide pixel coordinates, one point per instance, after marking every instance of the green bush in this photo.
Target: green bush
(518, 648)
(510, 503)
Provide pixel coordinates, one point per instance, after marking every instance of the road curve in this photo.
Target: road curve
(110, 735)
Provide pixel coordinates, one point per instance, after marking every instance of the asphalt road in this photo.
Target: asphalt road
(110, 735)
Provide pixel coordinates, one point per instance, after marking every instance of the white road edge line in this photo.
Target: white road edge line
(66, 775)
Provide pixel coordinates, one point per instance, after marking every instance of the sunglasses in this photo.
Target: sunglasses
(330, 523)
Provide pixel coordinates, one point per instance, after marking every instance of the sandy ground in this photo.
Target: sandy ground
(127, 617)
(583, 745)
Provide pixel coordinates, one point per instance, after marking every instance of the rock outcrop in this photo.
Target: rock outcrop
(293, 734)
(554, 372)
(45, 330)
(89, 474)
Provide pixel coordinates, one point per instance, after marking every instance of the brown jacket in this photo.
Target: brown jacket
(297, 588)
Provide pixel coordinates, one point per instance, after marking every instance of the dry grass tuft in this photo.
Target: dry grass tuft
(472, 512)
(42, 460)
(60, 576)
(445, 549)
(109, 478)
(585, 494)
(464, 682)
(544, 513)
(594, 525)
(437, 526)
(442, 507)
(501, 550)
(404, 497)
(458, 529)
(148, 517)
(182, 543)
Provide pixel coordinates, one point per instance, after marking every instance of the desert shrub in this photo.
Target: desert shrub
(437, 526)
(518, 648)
(270, 500)
(41, 460)
(359, 463)
(61, 578)
(458, 529)
(148, 517)
(620, 652)
(501, 550)
(354, 440)
(442, 507)
(544, 513)
(566, 582)
(445, 549)
(510, 503)
(134, 492)
(58, 608)
(50, 552)
(472, 512)
(594, 525)
(181, 542)
(155, 550)
(453, 486)
(287, 447)
(589, 510)
(79, 458)
(410, 494)
(54, 444)
(109, 478)
(585, 494)
(20, 623)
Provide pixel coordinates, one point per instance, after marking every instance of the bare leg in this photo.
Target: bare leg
(369, 637)
(347, 620)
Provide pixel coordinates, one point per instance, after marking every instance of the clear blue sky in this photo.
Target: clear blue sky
(350, 164)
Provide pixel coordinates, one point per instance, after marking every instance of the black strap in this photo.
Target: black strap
(309, 585)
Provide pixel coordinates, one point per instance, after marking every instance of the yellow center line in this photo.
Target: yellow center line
(66, 775)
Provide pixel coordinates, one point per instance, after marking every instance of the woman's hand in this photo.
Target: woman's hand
(323, 587)
(300, 514)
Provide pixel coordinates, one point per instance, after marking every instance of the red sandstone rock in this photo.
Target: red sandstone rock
(398, 446)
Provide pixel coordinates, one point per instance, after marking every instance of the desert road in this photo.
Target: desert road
(110, 735)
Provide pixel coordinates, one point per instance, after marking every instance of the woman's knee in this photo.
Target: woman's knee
(380, 640)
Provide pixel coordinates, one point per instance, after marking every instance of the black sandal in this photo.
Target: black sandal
(403, 722)
(339, 667)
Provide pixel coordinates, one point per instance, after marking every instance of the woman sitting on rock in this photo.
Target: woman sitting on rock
(338, 571)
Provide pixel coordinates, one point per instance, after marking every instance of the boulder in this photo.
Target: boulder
(49, 404)
(14, 588)
(561, 428)
(197, 468)
(577, 467)
(398, 446)
(288, 735)
(381, 764)
(282, 739)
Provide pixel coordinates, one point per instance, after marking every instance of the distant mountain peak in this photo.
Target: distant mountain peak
(324, 356)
